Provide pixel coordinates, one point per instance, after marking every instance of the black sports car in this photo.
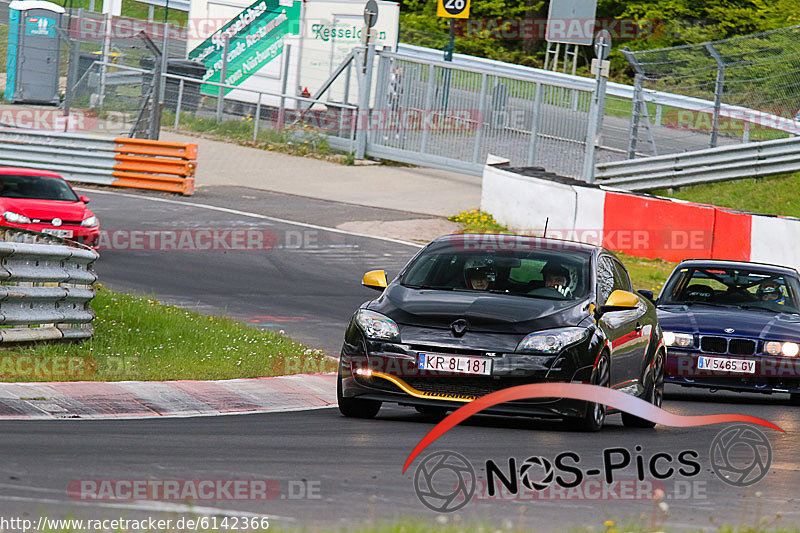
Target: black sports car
(472, 314)
(732, 325)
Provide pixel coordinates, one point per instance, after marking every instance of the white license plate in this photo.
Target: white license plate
(463, 364)
(58, 232)
(724, 364)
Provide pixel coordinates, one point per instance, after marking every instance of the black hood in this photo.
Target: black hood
(484, 312)
(709, 320)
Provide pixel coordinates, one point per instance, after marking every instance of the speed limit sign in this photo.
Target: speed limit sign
(454, 9)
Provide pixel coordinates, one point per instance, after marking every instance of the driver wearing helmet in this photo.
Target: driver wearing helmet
(770, 291)
(556, 277)
(478, 278)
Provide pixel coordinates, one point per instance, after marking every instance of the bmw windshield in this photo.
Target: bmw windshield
(729, 287)
(533, 273)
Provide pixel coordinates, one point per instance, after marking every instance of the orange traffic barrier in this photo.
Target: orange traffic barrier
(155, 165)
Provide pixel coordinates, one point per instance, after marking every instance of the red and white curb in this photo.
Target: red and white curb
(157, 399)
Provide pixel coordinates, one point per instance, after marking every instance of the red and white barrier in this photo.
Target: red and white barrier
(636, 224)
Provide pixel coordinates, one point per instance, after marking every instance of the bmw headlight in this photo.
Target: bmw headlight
(89, 222)
(551, 340)
(16, 218)
(681, 340)
(788, 349)
(377, 326)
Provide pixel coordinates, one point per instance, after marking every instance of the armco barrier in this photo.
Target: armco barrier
(121, 162)
(635, 224)
(46, 287)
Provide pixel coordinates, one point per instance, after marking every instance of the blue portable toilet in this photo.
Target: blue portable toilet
(33, 52)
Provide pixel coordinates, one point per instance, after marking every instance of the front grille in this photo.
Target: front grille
(463, 386)
(726, 345)
(63, 222)
(741, 347)
(714, 344)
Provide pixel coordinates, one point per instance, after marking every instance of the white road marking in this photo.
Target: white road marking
(253, 215)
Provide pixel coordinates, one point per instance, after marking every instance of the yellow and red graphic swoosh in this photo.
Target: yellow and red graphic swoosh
(578, 391)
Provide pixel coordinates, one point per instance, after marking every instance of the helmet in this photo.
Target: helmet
(769, 290)
(478, 277)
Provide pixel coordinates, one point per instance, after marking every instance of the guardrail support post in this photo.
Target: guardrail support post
(719, 86)
(428, 107)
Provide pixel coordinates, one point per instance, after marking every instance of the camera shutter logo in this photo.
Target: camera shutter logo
(454, 487)
(740, 455)
(525, 473)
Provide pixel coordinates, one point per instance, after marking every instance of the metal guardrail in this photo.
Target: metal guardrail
(120, 162)
(703, 166)
(45, 287)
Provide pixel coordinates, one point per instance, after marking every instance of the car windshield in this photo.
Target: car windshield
(36, 188)
(546, 274)
(733, 287)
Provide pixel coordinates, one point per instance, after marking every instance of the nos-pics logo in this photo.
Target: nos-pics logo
(445, 481)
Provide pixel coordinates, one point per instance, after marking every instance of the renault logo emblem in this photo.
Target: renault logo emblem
(459, 327)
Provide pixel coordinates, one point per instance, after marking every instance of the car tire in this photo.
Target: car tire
(430, 410)
(794, 399)
(355, 407)
(595, 415)
(653, 394)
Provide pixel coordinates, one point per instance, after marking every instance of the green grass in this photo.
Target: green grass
(143, 339)
(477, 221)
(775, 195)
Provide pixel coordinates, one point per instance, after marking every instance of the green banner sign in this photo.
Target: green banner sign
(255, 37)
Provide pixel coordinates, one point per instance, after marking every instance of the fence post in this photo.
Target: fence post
(718, 88)
(637, 101)
(537, 111)
(287, 50)
(178, 105)
(428, 107)
(476, 149)
(222, 75)
(363, 101)
(257, 118)
(596, 112)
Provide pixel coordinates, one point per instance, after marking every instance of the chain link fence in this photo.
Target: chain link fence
(758, 73)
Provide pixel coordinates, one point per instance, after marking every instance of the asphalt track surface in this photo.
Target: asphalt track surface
(353, 467)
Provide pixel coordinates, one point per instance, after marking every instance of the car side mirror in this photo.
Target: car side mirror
(647, 294)
(619, 301)
(375, 279)
(84, 199)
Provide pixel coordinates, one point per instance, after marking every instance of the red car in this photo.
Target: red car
(41, 200)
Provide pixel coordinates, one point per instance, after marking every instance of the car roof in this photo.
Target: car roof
(18, 171)
(502, 241)
(722, 263)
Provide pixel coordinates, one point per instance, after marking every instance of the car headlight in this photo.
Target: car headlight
(789, 349)
(16, 218)
(88, 222)
(681, 340)
(376, 325)
(551, 340)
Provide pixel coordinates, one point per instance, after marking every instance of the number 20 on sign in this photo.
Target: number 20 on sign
(454, 9)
